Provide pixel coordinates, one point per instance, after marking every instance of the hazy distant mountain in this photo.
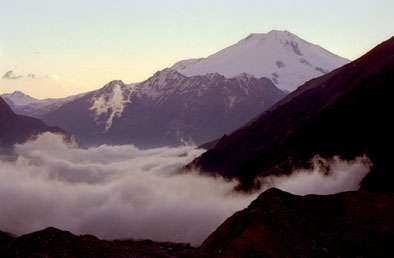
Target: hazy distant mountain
(17, 128)
(24, 104)
(346, 112)
(18, 98)
(281, 56)
(167, 109)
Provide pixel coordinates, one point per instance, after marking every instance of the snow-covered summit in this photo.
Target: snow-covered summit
(282, 56)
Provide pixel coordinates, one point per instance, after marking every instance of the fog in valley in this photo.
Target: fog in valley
(118, 192)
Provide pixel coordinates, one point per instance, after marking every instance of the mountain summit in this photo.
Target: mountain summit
(281, 56)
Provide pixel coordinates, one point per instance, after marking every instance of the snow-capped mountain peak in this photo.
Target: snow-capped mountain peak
(282, 56)
(273, 34)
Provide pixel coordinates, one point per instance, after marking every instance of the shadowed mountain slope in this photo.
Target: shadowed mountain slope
(17, 128)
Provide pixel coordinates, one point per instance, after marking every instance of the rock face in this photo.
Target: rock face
(17, 128)
(281, 56)
(346, 112)
(278, 224)
(167, 109)
(54, 243)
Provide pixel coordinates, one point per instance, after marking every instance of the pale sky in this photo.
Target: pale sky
(75, 46)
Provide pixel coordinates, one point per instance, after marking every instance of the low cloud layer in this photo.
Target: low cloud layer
(123, 192)
(326, 177)
(12, 75)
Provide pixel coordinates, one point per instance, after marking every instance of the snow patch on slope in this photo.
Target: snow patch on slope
(112, 103)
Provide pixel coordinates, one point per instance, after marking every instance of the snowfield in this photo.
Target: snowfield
(286, 59)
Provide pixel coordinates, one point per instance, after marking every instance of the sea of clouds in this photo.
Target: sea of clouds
(117, 192)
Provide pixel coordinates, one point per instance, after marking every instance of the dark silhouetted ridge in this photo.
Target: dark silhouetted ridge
(278, 224)
(17, 128)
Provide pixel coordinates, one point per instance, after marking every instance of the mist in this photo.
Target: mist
(327, 176)
(119, 192)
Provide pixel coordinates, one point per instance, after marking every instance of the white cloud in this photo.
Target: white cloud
(342, 176)
(124, 192)
(13, 75)
(10, 75)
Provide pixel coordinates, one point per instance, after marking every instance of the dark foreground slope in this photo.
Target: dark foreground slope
(278, 225)
(17, 128)
(347, 112)
(54, 243)
(275, 225)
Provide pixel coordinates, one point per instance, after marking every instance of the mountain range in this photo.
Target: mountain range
(167, 109)
(195, 101)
